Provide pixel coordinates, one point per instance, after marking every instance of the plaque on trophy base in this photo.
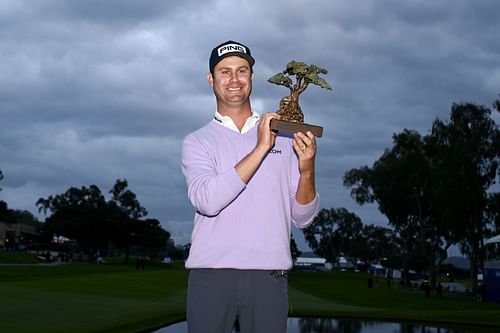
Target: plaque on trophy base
(293, 127)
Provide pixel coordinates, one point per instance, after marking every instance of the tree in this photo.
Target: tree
(378, 243)
(81, 214)
(126, 200)
(176, 251)
(493, 212)
(3, 204)
(348, 235)
(434, 190)
(400, 182)
(131, 212)
(150, 238)
(22, 216)
(332, 232)
(3, 210)
(319, 235)
(469, 159)
(294, 249)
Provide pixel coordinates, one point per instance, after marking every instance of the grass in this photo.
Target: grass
(90, 298)
(17, 258)
(83, 297)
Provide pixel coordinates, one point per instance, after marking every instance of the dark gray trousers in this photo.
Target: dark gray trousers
(258, 299)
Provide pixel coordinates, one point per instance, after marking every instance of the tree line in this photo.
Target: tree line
(436, 190)
(96, 224)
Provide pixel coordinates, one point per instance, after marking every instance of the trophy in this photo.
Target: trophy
(292, 118)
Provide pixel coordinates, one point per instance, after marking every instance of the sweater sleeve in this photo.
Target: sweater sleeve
(209, 191)
(303, 215)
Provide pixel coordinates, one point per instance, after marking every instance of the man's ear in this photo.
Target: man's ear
(210, 79)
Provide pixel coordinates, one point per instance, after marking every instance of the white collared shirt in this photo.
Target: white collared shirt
(226, 121)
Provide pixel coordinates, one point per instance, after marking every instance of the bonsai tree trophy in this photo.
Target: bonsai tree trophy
(292, 118)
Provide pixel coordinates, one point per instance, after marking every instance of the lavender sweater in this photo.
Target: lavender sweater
(236, 225)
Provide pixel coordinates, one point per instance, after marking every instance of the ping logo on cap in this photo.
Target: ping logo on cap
(230, 48)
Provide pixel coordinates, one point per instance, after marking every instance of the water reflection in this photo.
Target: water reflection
(327, 325)
(317, 325)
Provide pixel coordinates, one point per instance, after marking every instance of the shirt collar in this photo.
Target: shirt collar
(226, 121)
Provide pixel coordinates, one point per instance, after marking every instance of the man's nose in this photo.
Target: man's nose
(234, 76)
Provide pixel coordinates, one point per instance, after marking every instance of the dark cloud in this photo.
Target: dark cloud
(93, 91)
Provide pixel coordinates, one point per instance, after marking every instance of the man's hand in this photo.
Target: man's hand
(265, 136)
(305, 147)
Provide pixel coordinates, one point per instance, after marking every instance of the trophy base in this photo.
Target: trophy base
(293, 127)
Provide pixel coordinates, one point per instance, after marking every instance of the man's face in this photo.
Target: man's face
(232, 81)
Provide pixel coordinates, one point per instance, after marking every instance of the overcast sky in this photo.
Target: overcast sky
(95, 91)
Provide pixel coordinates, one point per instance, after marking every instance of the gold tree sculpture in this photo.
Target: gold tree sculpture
(304, 74)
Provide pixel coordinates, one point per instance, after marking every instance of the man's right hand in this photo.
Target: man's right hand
(266, 137)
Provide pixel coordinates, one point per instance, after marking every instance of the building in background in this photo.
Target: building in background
(16, 236)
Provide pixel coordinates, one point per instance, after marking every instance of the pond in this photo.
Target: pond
(327, 325)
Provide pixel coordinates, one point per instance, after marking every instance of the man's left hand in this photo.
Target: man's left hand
(305, 147)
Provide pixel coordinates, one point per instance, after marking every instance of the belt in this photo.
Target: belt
(279, 273)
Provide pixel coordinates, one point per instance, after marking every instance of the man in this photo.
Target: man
(247, 185)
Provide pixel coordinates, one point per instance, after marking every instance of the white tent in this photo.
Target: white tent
(491, 240)
(309, 258)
